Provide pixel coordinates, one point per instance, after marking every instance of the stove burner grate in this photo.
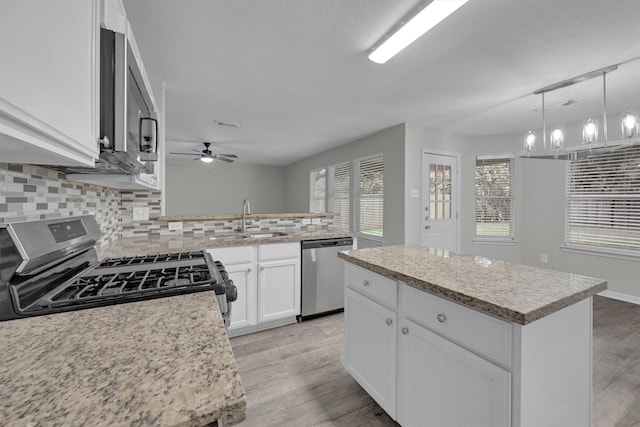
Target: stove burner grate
(148, 259)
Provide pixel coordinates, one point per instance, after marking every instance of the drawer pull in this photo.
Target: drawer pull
(366, 283)
(404, 330)
(441, 317)
(389, 322)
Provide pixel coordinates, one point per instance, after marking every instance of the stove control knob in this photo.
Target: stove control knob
(231, 291)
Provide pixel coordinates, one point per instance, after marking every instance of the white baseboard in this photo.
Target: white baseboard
(620, 296)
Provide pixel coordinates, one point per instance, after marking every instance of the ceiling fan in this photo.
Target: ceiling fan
(208, 156)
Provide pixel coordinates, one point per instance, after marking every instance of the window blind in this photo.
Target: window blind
(318, 196)
(371, 195)
(339, 194)
(603, 200)
(494, 198)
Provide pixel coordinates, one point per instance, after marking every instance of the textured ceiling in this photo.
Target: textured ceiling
(295, 75)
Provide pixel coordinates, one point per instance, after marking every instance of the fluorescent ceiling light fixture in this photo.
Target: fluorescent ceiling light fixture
(429, 14)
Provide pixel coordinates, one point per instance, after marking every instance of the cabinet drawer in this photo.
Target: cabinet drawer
(479, 332)
(278, 251)
(233, 255)
(377, 287)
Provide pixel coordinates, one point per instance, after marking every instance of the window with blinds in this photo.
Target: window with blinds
(370, 198)
(494, 198)
(603, 201)
(318, 191)
(340, 194)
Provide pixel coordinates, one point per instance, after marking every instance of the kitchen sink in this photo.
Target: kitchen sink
(238, 236)
(228, 237)
(265, 235)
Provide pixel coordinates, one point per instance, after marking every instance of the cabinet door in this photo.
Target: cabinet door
(370, 348)
(243, 310)
(49, 79)
(442, 384)
(278, 289)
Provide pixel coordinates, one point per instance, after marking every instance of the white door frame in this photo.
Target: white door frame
(425, 152)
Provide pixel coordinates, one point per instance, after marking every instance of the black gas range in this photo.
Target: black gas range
(51, 266)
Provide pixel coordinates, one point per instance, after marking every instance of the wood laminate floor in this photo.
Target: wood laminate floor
(293, 376)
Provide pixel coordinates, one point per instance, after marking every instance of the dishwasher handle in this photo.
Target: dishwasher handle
(326, 243)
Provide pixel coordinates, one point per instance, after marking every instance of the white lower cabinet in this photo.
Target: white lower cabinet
(278, 289)
(442, 384)
(243, 313)
(443, 364)
(370, 348)
(268, 281)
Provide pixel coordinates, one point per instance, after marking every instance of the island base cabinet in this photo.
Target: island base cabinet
(370, 348)
(443, 384)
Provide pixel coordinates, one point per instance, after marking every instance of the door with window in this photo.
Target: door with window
(440, 201)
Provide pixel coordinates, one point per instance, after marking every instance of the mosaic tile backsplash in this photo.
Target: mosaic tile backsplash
(29, 193)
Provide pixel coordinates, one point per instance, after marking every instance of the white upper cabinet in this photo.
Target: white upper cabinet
(49, 81)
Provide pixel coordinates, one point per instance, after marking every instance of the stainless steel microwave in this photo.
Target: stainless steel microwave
(128, 121)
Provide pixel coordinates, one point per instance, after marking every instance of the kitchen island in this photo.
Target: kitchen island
(160, 362)
(438, 338)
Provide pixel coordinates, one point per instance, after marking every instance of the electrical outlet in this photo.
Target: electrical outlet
(141, 214)
(544, 258)
(175, 225)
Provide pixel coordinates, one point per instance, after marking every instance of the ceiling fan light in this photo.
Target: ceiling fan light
(590, 131)
(432, 14)
(206, 159)
(630, 124)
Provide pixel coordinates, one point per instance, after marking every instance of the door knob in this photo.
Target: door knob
(426, 227)
(366, 283)
(404, 330)
(389, 322)
(441, 317)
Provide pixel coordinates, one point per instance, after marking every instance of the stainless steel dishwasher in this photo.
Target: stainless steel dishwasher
(323, 276)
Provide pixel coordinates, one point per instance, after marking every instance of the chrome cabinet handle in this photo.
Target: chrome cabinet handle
(389, 321)
(249, 270)
(441, 317)
(404, 330)
(366, 283)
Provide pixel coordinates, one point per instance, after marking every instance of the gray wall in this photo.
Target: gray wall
(390, 142)
(195, 188)
(539, 192)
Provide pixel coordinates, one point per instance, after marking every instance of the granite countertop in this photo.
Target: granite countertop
(513, 292)
(225, 217)
(190, 242)
(161, 362)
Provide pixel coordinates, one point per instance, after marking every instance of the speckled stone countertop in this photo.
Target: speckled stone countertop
(161, 362)
(225, 217)
(513, 292)
(189, 242)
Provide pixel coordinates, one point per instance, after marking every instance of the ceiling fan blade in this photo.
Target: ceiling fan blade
(231, 156)
(197, 151)
(224, 159)
(184, 154)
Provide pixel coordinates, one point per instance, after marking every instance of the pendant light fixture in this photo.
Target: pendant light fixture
(426, 15)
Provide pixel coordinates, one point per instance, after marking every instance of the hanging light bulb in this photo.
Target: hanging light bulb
(630, 124)
(556, 138)
(529, 142)
(590, 131)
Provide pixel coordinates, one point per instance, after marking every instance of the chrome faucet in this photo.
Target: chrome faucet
(246, 210)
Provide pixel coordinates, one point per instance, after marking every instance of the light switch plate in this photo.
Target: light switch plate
(175, 225)
(140, 214)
